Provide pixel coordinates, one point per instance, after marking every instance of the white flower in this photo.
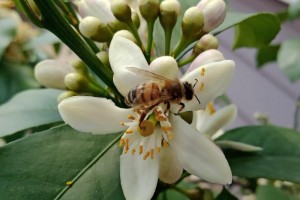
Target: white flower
(210, 122)
(160, 151)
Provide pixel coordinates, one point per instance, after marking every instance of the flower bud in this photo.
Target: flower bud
(103, 56)
(206, 42)
(91, 27)
(149, 9)
(214, 13)
(192, 22)
(135, 19)
(169, 11)
(79, 66)
(65, 95)
(121, 10)
(116, 25)
(165, 66)
(78, 82)
(206, 57)
(51, 73)
(2, 142)
(126, 34)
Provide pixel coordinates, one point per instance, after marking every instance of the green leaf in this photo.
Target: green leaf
(270, 192)
(256, 31)
(29, 109)
(7, 33)
(289, 58)
(225, 195)
(15, 77)
(279, 159)
(40, 165)
(172, 195)
(266, 54)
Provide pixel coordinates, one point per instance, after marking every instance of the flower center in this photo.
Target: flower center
(146, 137)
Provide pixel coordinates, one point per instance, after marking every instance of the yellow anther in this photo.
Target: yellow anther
(133, 151)
(201, 86)
(152, 153)
(166, 128)
(122, 123)
(131, 117)
(140, 149)
(69, 183)
(146, 155)
(165, 143)
(171, 136)
(126, 145)
(211, 108)
(128, 131)
(158, 149)
(202, 72)
(121, 143)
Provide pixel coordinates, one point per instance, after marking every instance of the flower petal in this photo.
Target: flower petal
(138, 176)
(215, 122)
(96, 8)
(92, 114)
(197, 154)
(212, 82)
(170, 169)
(238, 146)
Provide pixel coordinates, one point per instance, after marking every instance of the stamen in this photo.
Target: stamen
(140, 149)
(211, 108)
(129, 131)
(131, 117)
(146, 155)
(69, 183)
(170, 136)
(158, 149)
(126, 145)
(166, 128)
(202, 86)
(165, 143)
(122, 123)
(121, 143)
(202, 71)
(152, 153)
(132, 151)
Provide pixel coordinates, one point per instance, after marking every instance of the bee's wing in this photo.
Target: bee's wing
(150, 75)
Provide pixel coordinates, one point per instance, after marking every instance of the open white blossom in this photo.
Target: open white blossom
(210, 122)
(172, 145)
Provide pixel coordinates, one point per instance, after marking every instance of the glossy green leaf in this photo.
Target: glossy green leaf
(289, 58)
(256, 31)
(279, 159)
(266, 192)
(39, 166)
(15, 77)
(7, 33)
(266, 54)
(225, 195)
(294, 10)
(29, 109)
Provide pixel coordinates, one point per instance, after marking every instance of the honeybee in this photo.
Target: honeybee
(158, 90)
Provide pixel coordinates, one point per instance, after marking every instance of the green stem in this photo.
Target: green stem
(56, 23)
(93, 162)
(150, 26)
(136, 34)
(181, 45)
(187, 60)
(181, 191)
(168, 37)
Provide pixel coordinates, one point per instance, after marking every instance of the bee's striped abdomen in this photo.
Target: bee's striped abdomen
(143, 93)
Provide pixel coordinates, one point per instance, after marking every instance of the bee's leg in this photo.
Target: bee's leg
(168, 106)
(181, 108)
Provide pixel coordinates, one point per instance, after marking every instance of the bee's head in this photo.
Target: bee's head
(189, 91)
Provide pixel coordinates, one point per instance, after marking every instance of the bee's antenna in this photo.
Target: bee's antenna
(197, 99)
(195, 84)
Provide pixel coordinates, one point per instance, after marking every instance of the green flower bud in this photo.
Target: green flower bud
(192, 22)
(76, 82)
(121, 10)
(116, 26)
(79, 66)
(206, 42)
(169, 11)
(91, 27)
(126, 34)
(149, 9)
(65, 95)
(135, 19)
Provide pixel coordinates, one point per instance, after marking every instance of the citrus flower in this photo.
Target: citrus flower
(210, 122)
(166, 144)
